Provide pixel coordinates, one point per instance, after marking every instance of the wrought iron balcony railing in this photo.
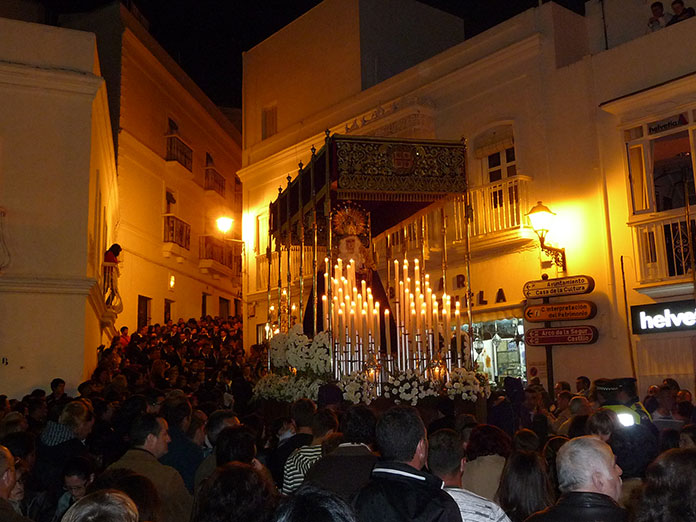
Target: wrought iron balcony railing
(214, 181)
(177, 231)
(178, 151)
(226, 253)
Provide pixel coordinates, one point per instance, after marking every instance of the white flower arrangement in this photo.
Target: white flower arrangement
(409, 386)
(287, 388)
(357, 388)
(278, 347)
(307, 357)
(463, 384)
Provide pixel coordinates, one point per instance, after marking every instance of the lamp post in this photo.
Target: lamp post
(540, 217)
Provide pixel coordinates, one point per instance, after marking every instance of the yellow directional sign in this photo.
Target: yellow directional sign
(573, 285)
(569, 311)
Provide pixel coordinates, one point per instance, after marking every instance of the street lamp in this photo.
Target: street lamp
(540, 216)
(224, 224)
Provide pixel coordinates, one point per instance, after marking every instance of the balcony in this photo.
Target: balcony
(220, 258)
(214, 181)
(179, 154)
(663, 255)
(295, 252)
(177, 238)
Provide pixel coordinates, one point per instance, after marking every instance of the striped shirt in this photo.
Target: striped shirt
(476, 509)
(297, 465)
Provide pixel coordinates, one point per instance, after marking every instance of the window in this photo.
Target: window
(224, 308)
(261, 240)
(660, 165)
(269, 122)
(143, 311)
(167, 310)
(501, 164)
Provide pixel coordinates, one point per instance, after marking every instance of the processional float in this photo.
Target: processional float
(353, 189)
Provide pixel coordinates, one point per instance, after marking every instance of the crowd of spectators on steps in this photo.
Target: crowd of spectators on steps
(167, 430)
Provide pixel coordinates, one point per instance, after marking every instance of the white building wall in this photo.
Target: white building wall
(58, 190)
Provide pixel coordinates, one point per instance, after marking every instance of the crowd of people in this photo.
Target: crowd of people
(660, 18)
(167, 430)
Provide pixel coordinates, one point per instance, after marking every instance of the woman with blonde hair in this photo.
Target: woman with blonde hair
(106, 505)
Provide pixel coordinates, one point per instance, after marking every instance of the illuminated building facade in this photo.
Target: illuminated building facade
(588, 114)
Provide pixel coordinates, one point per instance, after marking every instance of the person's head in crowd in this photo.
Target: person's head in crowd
(524, 486)
(85, 389)
(560, 387)
(150, 433)
(57, 387)
(139, 489)
(310, 503)
(79, 417)
(684, 411)
(358, 425)
(532, 398)
(8, 475)
(324, 423)
(628, 390)
(22, 445)
(578, 426)
(37, 409)
(177, 412)
(588, 464)
(678, 9)
(563, 400)
(687, 436)
(302, 411)
(658, 9)
(78, 474)
(669, 490)
(672, 384)
(400, 436)
(525, 440)
(196, 429)
(582, 383)
(235, 444)
(488, 440)
(236, 491)
(107, 505)
(684, 396)
(549, 454)
(602, 423)
(666, 398)
(331, 442)
(330, 396)
(579, 406)
(463, 424)
(607, 391)
(218, 421)
(13, 422)
(446, 457)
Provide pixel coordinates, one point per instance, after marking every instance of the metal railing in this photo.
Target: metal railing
(496, 207)
(214, 181)
(177, 231)
(262, 266)
(663, 249)
(226, 253)
(178, 151)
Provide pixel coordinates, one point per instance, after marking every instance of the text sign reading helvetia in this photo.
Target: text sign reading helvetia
(664, 317)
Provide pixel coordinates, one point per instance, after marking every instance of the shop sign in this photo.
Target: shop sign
(673, 316)
(672, 122)
(569, 311)
(560, 286)
(562, 335)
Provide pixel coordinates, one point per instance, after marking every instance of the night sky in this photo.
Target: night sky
(207, 37)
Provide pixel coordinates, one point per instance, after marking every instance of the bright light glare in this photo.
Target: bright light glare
(626, 419)
(224, 224)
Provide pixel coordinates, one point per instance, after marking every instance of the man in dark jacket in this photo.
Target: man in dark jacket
(590, 483)
(398, 489)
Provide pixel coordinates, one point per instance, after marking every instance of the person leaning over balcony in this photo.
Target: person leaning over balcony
(681, 13)
(659, 18)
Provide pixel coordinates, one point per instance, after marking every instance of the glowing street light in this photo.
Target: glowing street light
(540, 217)
(224, 224)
